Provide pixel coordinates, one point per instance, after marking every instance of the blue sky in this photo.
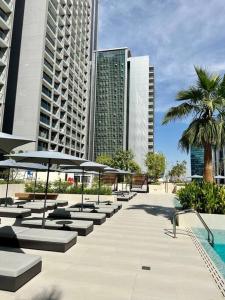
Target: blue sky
(176, 34)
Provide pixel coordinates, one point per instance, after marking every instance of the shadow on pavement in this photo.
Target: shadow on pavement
(155, 210)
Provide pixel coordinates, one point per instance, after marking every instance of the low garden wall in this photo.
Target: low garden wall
(13, 188)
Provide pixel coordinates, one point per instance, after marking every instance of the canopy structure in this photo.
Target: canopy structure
(48, 157)
(9, 142)
(91, 167)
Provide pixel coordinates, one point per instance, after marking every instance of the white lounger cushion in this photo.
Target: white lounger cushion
(14, 264)
(47, 235)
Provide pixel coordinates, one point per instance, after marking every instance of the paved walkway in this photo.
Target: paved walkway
(107, 264)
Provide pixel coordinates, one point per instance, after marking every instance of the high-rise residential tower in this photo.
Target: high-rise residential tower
(6, 24)
(124, 104)
(151, 109)
(49, 96)
(111, 115)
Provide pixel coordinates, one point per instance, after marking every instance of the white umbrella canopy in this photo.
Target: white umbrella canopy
(110, 170)
(87, 166)
(196, 176)
(49, 157)
(219, 177)
(10, 163)
(123, 172)
(9, 142)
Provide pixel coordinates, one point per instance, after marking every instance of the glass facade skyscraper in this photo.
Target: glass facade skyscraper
(123, 104)
(197, 161)
(111, 99)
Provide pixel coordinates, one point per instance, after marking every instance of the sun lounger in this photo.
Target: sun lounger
(40, 239)
(14, 212)
(124, 198)
(82, 227)
(93, 205)
(57, 203)
(37, 207)
(61, 213)
(16, 269)
(109, 212)
(8, 201)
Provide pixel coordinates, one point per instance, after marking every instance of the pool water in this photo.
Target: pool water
(220, 250)
(217, 252)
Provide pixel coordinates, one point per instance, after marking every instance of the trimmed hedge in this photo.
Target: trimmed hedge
(64, 187)
(203, 196)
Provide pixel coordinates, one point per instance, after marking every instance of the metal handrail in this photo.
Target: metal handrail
(210, 234)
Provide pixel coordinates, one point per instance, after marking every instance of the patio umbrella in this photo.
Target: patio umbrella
(48, 157)
(89, 166)
(196, 176)
(219, 177)
(9, 142)
(9, 164)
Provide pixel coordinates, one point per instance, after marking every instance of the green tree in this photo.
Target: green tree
(178, 170)
(134, 167)
(121, 159)
(156, 164)
(205, 104)
(105, 159)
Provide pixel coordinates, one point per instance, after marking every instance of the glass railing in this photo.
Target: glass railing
(3, 15)
(54, 17)
(50, 53)
(53, 29)
(50, 39)
(2, 34)
(48, 64)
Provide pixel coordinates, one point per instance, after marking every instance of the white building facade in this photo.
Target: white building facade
(51, 101)
(6, 24)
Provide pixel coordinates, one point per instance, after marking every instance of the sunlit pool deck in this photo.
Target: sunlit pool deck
(132, 256)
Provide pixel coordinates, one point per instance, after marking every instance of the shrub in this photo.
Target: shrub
(64, 187)
(204, 197)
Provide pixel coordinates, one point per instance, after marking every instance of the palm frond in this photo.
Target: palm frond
(194, 94)
(178, 112)
(206, 81)
(201, 132)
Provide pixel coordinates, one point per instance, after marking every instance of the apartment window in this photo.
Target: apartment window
(48, 64)
(45, 119)
(45, 105)
(46, 91)
(47, 78)
(42, 146)
(50, 53)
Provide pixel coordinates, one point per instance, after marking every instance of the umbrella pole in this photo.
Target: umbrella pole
(82, 190)
(35, 185)
(7, 187)
(99, 186)
(46, 193)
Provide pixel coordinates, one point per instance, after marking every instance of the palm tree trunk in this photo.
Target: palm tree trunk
(208, 166)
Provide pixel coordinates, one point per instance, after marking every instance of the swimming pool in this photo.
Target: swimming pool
(217, 252)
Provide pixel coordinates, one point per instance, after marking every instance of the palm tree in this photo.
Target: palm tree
(205, 104)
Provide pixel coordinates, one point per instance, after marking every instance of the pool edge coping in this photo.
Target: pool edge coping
(215, 273)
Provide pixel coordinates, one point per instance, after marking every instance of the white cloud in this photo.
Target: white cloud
(176, 34)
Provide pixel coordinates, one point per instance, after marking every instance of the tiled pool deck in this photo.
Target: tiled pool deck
(107, 264)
